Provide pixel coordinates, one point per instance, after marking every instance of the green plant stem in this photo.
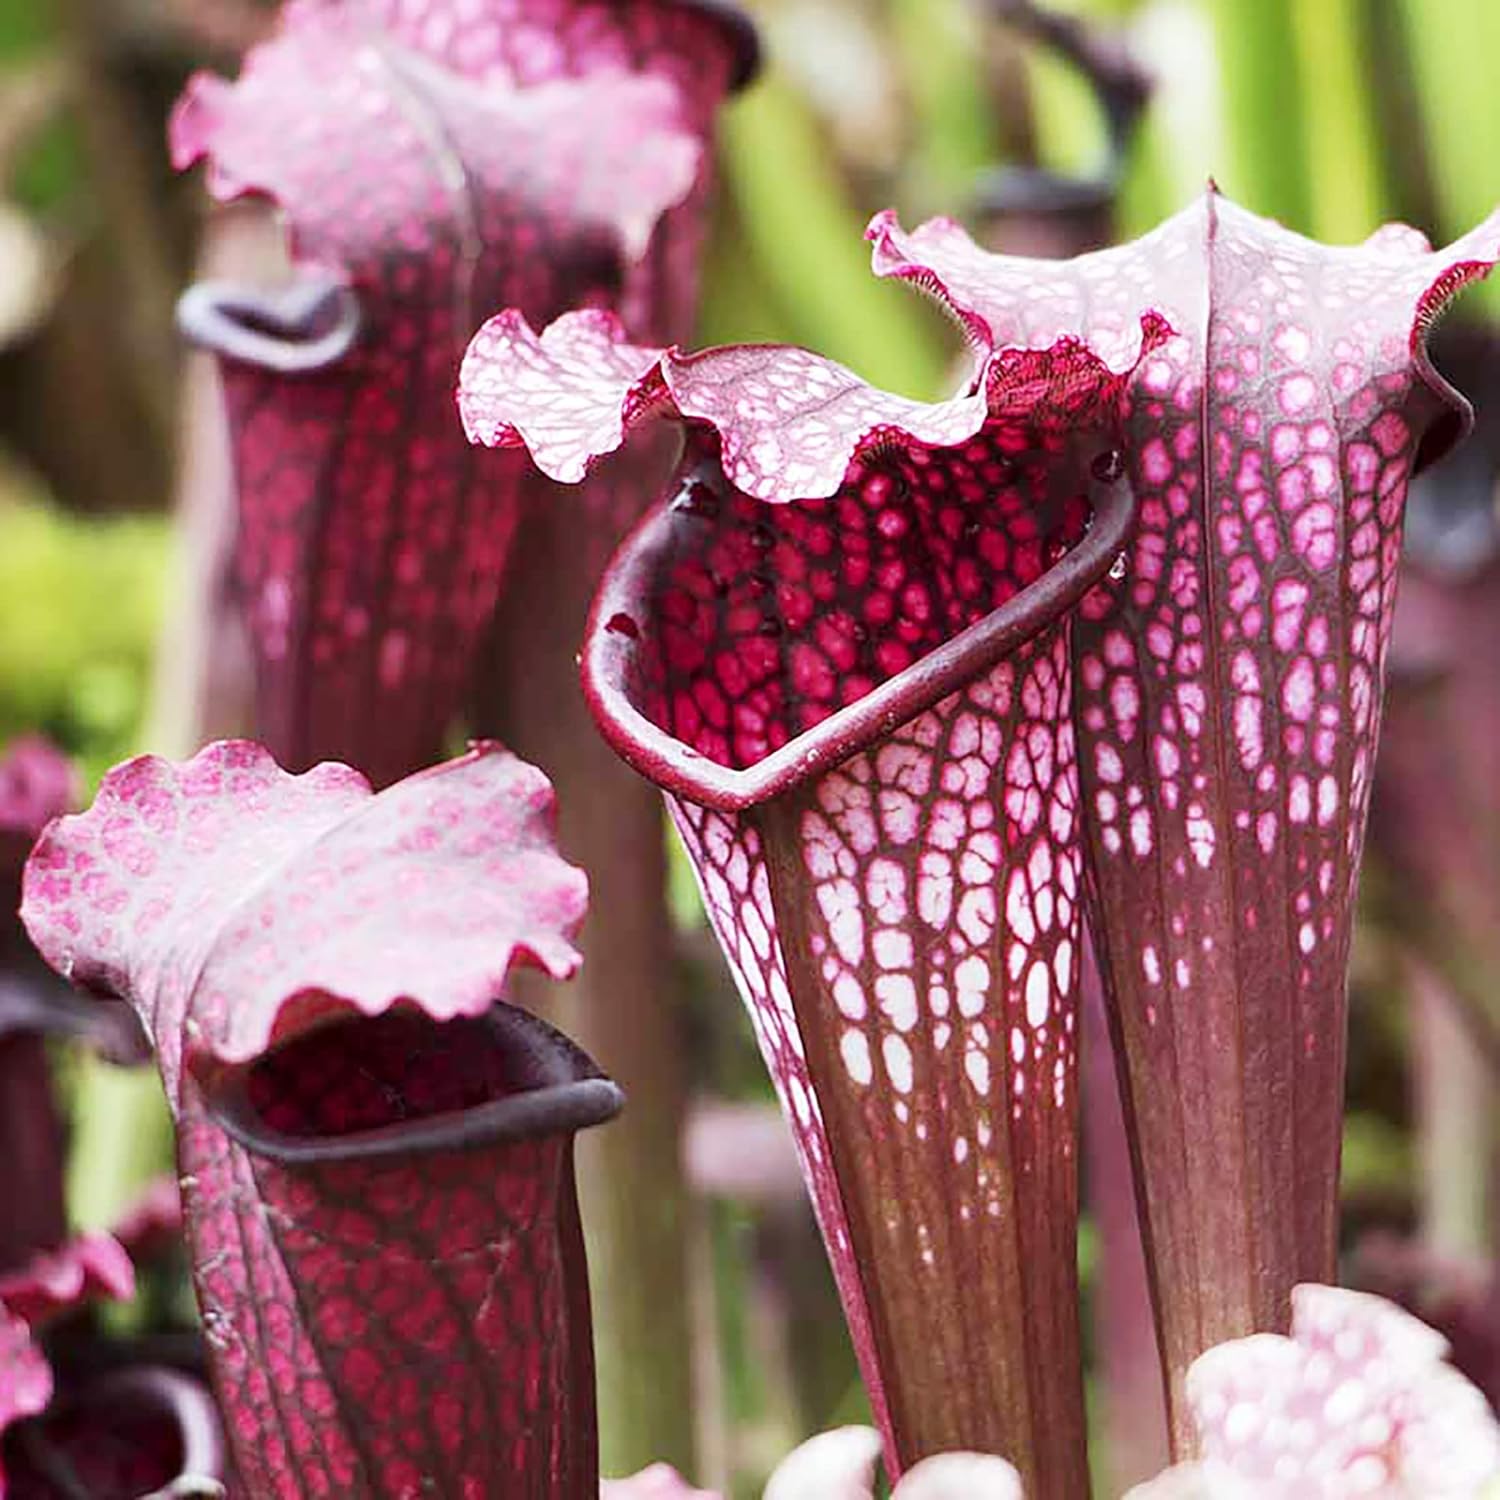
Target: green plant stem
(939, 47)
(1342, 150)
(1454, 1091)
(1069, 125)
(1267, 169)
(122, 1138)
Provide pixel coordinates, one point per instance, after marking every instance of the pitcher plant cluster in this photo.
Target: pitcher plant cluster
(951, 704)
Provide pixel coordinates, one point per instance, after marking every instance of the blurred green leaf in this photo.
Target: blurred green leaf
(51, 164)
(1070, 125)
(683, 900)
(938, 43)
(80, 606)
(1348, 194)
(1453, 46)
(1378, 1158)
(122, 1138)
(1267, 167)
(807, 242)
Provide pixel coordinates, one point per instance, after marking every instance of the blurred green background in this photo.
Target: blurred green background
(1331, 115)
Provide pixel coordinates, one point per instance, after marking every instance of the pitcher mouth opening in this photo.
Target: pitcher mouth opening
(687, 560)
(400, 1083)
(300, 329)
(160, 1423)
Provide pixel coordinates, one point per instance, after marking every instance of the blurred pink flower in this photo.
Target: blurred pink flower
(1357, 1402)
(659, 1482)
(840, 1465)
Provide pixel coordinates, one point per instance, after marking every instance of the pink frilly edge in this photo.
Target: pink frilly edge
(152, 1221)
(236, 905)
(568, 395)
(789, 421)
(1001, 298)
(216, 121)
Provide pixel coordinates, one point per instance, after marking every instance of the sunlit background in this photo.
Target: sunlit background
(1331, 115)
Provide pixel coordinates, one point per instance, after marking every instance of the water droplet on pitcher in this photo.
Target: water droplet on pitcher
(1108, 466)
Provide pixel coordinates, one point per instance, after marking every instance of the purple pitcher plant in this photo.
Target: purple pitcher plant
(375, 1155)
(1439, 829)
(835, 648)
(541, 153)
(79, 1414)
(37, 782)
(1227, 701)
(111, 1433)
(371, 540)
(857, 645)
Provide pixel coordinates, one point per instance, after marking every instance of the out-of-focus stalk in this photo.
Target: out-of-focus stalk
(1341, 148)
(621, 1006)
(1183, 138)
(943, 62)
(1258, 73)
(1452, 45)
(203, 674)
(1437, 812)
(1454, 1091)
(121, 1139)
(805, 236)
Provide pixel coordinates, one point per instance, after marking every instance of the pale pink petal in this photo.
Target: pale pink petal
(1184, 1482)
(960, 1476)
(659, 1482)
(837, 1465)
(1363, 1333)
